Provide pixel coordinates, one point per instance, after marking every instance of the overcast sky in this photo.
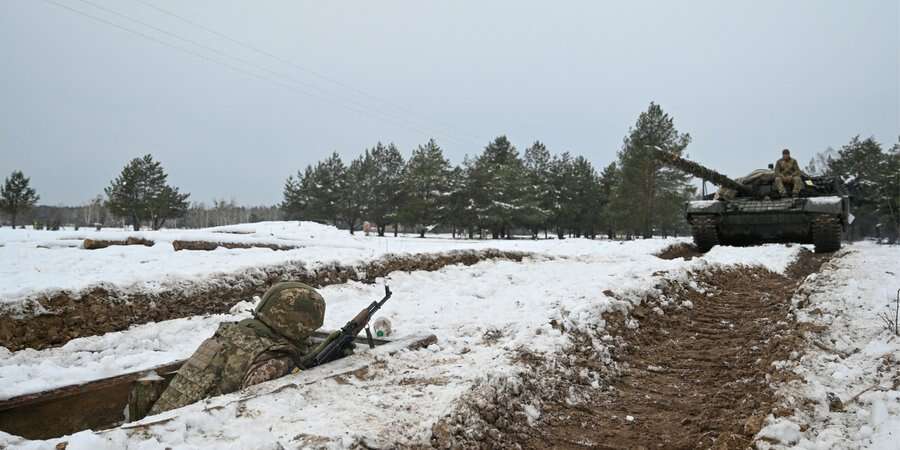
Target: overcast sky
(80, 97)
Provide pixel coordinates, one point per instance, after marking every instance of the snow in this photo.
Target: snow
(27, 270)
(823, 200)
(95, 357)
(526, 296)
(482, 314)
(774, 257)
(854, 356)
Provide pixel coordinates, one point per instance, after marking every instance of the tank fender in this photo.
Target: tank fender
(824, 205)
(704, 207)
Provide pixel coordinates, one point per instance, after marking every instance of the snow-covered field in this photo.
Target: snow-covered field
(856, 359)
(482, 315)
(34, 262)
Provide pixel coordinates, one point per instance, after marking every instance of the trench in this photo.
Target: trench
(95, 405)
(54, 318)
(698, 377)
(688, 369)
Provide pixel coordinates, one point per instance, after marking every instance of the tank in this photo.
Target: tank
(749, 210)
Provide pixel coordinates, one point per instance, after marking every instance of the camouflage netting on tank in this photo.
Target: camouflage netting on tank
(54, 318)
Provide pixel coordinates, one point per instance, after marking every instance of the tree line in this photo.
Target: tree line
(872, 173)
(501, 191)
(496, 193)
(140, 195)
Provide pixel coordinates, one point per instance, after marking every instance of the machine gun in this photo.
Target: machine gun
(337, 343)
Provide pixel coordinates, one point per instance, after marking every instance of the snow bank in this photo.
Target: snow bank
(855, 360)
(95, 357)
(483, 316)
(28, 267)
(775, 257)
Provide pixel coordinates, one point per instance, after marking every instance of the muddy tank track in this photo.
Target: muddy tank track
(826, 233)
(706, 233)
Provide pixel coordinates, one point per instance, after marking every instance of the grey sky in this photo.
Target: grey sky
(79, 98)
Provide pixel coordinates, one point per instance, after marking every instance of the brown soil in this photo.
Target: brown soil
(695, 376)
(210, 245)
(96, 244)
(675, 251)
(55, 318)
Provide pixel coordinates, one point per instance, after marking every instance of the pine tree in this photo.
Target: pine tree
(386, 184)
(609, 181)
(140, 193)
(16, 196)
(357, 193)
(862, 164)
(427, 187)
(888, 206)
(562, 186)
(587, 203)
(460, 209)
(648, 187)
(168, 203)
(325, 189)
(499, 187)
(295, 192)
(538, 165)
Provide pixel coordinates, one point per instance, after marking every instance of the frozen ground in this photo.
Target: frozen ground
(482, 315)
(32, 262)
(855, 359)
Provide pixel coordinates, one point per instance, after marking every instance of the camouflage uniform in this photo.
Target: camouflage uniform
(251, 351)
(788, 170)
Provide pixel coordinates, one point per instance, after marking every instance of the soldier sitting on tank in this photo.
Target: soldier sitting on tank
(251, 351)
(788, 171)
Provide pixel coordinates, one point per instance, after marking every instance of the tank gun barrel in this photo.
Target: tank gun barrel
(697, 170)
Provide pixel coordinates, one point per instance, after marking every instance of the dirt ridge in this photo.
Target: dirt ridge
(52, 319)
(695, 373)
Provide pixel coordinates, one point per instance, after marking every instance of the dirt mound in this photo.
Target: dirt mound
(806, 263)
(56, 318)
(96, 244)
(211, 245)
(683, 250)
(689, 369)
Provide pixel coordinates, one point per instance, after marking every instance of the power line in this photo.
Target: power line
(323, 94)
(288, 62)
(358, 109)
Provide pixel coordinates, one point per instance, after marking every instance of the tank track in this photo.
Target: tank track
(826, 233)
(705, 231)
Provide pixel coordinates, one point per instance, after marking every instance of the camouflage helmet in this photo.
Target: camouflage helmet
(294, 310)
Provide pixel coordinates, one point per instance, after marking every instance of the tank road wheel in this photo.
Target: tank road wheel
(706, 233)
(826, 234)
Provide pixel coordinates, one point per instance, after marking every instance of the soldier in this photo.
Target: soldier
(251, 351)
(787, 171)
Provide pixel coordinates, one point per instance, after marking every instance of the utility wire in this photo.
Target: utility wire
(288, 62)
(358, 109)
(322, 94)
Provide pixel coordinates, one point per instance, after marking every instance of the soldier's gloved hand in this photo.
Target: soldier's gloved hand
(348, 350)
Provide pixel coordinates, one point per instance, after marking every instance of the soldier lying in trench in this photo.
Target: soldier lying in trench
(251, 351)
